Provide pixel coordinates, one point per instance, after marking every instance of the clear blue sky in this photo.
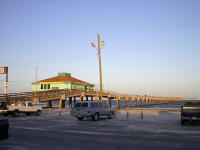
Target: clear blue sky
(152, 46)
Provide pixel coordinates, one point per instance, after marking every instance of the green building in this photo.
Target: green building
(62, 81)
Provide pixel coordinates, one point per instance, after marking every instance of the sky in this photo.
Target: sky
(151, 46)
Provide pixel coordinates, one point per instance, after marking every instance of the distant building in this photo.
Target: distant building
(62, 81)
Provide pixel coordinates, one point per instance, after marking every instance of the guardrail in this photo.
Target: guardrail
(58, 94)
(42, 95)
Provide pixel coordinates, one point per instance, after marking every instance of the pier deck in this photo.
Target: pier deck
(73, 95)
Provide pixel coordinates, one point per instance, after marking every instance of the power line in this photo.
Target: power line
(52, 60)
(16, 81)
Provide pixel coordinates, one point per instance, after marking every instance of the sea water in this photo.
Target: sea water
(55, 103)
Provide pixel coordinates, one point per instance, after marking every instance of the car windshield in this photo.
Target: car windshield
(192, 104)
(30, 104)
(77, 105)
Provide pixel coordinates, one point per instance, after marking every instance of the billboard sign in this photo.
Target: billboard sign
(3, 70)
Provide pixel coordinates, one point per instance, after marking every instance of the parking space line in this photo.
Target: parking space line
(31, 128)
(87, 132)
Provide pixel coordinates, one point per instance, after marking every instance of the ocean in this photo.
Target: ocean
(121, 104)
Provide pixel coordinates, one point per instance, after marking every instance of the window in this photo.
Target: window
(45, 86)
(77, 105)
(84, 104)
(42, 86)
(30, 104)
(93, 105)
(48, 86)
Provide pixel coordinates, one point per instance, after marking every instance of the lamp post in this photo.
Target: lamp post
(99, 49)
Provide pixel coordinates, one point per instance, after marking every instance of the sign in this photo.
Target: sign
(3, 70)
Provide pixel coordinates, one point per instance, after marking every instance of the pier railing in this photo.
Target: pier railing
(62, 95)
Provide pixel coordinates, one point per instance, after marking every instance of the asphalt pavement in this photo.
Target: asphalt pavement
(138, 130)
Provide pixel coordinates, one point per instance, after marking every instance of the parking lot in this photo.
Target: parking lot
(131, 129)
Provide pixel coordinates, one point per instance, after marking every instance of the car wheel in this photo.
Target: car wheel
(5, 114)
(80, 118)
(38, 113)
(111, 115)
(194, 121)
(96, 117)
(15, 113)
(182, 122)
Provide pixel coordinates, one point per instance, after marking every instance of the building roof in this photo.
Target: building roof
(64, 77)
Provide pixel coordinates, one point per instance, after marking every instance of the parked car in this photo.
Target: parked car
(23, 107)
(91, 109)
(3, 105)
(190, 111)
(3, 108)
(4, 126)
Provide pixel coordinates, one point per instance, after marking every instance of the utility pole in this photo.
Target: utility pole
(36, 73)
(100, 72)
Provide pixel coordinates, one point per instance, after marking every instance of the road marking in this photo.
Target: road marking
(93, 133)
(30, 128)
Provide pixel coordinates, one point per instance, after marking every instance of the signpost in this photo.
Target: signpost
(4, 70)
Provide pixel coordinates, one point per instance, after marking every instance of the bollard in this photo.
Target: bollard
(49, 110)
(127, 115)
(142, 114)
(59, 112)
(70, 106)
(107, 101)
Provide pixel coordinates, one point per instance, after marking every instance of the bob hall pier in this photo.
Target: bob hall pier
(87, 95)
(64, 87)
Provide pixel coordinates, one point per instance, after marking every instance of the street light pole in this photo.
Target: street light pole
(99, 50)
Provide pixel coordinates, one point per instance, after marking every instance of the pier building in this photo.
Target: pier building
(62, 81)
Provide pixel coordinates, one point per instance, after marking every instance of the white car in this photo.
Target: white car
(25, 107)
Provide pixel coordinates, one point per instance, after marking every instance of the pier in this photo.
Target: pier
(92, 95)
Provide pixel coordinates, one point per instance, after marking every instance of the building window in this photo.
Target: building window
(42, 86)
(45, 86)
(48, 86)
(30, 104)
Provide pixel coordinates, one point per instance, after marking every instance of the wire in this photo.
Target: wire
(52, 60)
(16, 81)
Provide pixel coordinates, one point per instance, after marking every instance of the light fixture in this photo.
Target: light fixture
(102, 43)
(93, 45)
